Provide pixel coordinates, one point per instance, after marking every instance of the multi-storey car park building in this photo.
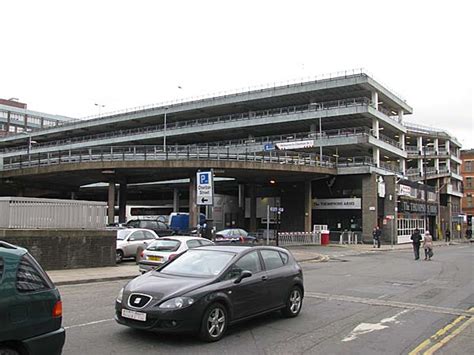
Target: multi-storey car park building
(333, 151)
(467, 172)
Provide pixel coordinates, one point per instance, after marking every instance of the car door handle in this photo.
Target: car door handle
(264, 278)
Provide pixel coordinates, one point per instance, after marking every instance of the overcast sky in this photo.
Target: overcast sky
(62, 57)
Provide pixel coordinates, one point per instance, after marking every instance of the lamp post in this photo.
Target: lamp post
(164, 130)
(425, 182)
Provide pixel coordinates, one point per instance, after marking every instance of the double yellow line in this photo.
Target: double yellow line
(444, 335)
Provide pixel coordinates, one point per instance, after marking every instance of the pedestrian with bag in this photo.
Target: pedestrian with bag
(428, 245)
(416, 238)
(376, 235)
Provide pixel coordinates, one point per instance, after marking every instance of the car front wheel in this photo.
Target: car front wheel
(214, 323)
(293, 303)
(118, 256)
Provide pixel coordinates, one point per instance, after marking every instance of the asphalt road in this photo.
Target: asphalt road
(367, 303)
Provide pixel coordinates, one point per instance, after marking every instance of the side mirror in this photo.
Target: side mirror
(244, 274)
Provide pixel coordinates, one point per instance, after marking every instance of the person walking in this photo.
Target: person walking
(428, 245)
(376, 235)
(447, 235)
(416, 238)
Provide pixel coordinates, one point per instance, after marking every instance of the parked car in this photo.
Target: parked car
(131, 242)
(179, 221)
(167, 248)
(206, 289)
(30, 306)
(234, 235)
(157, 226)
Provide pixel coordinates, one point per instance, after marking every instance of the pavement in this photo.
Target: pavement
(310, 253)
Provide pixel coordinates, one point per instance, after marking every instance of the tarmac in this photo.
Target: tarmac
(310, 253)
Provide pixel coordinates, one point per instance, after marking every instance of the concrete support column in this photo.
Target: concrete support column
(376, 156)
(253, 207)
(401, 140)
(308, 207)
(402, 165)
(400, 116)
(419, 145)
(389, 230)
(436, 145)
(375, 99)
(448, 165)
(448, 148)
(375, 127)
(175, 200)
(111, 203)
(436, 163)
(193, 207)
(369, 206)
(420, 166)
(7, 127)
(25, 123)
(122, 202)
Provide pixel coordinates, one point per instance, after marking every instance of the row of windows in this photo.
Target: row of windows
(251, 262)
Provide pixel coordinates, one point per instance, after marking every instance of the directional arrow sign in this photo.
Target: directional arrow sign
(205, 188)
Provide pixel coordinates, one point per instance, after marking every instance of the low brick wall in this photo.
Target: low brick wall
(65, 249)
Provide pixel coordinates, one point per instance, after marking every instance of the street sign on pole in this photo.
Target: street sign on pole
(205, 188)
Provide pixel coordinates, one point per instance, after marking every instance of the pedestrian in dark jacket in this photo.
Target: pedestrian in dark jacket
(447, 235)
(376, 235)
(416, 238)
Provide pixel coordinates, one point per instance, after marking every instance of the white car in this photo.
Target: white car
(167, 248)
(131, 242)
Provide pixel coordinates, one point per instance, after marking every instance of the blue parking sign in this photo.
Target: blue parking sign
(204, 178)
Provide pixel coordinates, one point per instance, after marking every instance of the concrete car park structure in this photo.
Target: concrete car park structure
(335, 150)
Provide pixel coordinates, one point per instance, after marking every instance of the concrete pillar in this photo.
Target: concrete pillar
(436, 163)
(369, 206)
(308, 207)
(193, 207)
(402, 141)
(175, 200)
(389, 230)
(111, 203)
(376, 156)
(436, 145)
(420, 166)
(402, 165)
(375, 127)
(448, 148)
(448, 165)
(375, 99)
(419, 144)
(400, 116)
(253, 207)
(7, 127)
(25, 122)
(122, 202)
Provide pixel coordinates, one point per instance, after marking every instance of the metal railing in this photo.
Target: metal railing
(170, 126)
(299, 238)
(27, 213)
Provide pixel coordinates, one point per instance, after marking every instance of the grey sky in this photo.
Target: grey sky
(64, 56)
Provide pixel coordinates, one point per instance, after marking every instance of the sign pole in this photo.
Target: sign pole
(268, 224)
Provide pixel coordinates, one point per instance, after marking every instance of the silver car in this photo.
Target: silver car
(131, 242)
(167, 248)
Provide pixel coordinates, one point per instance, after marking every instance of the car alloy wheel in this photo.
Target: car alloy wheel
(118, 256)
(294, 303)
(214, 323)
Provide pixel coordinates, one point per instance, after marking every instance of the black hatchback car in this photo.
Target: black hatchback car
(206, 289)
(30, 306)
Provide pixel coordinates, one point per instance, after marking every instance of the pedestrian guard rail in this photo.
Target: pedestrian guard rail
(299, 238)
(30, 213)
(346, 237)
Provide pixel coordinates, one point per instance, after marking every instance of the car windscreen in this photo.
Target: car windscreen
(199, 263)
(164, 245)
(122, 234)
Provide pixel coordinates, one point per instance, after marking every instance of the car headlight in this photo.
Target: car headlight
(177, 303)
(120, 295)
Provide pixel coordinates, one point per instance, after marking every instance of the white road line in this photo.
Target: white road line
(395, 304)
(90, 323)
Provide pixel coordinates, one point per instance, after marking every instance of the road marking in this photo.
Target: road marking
(364, 328)
(442, 336)
(90, 323)
(380, 302)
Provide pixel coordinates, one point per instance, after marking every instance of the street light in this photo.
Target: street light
(99, 106)
(425, 182)
(164, 130)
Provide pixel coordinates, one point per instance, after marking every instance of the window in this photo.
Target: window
(468, 165)
(149, 235)
(469, 201)
(1, 269)
(138, 235)
(469, 182)
(284, 257)
(249, 262)
(272, 259)
(206, 242)
(30, 277)
(193, 243)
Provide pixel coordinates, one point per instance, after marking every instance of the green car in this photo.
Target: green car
(30, 306)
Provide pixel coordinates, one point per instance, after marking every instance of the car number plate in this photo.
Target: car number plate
(155, 258)
(126, 313)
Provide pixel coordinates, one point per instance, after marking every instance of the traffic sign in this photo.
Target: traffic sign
(277, 209)
(205, 188)
(268, 147)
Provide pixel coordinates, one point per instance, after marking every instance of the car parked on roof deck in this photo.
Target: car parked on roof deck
(206, 289)
(132, 241)
(167, 248)
(234, 235)
(30, 306)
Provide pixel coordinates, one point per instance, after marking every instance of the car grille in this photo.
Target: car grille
(138, 300)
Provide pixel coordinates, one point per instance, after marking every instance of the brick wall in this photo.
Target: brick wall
(65, 249)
